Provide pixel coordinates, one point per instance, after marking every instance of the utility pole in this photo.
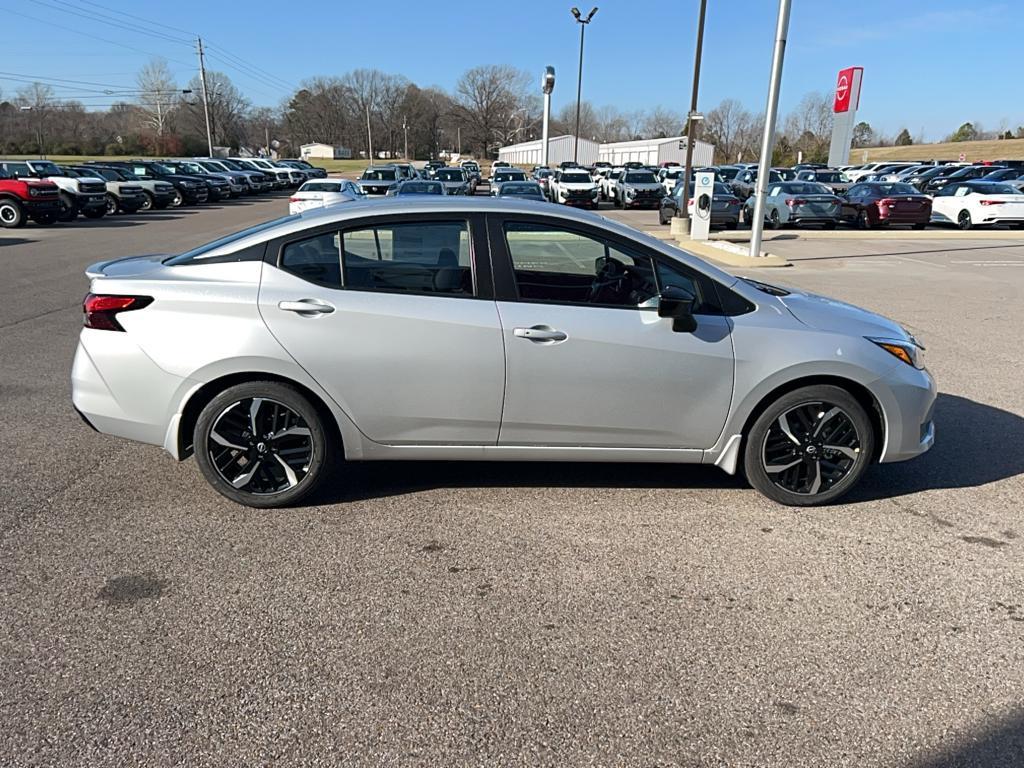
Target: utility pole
(583, 22)
(405, 129)
(768, 139)
(369, 136)
(684, 208)
(206, 98)
(266, 137)
(458, 138)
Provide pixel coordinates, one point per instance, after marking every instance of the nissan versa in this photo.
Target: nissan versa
(464, 329)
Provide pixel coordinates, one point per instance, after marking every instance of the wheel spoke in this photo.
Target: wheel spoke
(850, 453)
(243, 479)
(288, 431)
(254, 410)
(784, 426)
(773, 469)
(288, 472)
(824, 419)
(218, 438)
(816, 485)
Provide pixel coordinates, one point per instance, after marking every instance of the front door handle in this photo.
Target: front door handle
(540, 333)
(307, 307)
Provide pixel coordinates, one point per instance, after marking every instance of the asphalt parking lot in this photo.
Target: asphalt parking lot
(517, 614)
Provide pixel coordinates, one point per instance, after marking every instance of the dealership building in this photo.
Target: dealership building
(560, 149)
(646, 151)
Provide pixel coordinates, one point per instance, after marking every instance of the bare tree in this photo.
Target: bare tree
(488, 105)
(662, 123)
(227, 108)
(158, 95)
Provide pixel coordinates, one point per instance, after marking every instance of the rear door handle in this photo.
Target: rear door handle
(540, 333)
(306, 307)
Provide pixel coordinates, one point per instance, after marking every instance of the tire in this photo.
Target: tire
(112, 205)
(830, 225)
(773, 219)
(730, 224)
(177, 201)
(796, 435)
(148, 203)
(45, 219)
(919, 226)
(69, 211)
(661, 217)
(230, 416)
(863, 221)
(12, 215)
(963, 220)
(95, 213)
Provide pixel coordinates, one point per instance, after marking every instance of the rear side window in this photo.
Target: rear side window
(418, 258)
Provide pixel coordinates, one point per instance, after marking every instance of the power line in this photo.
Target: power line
(102, 18)
(190, 33)
(87, 34)
(262, 73)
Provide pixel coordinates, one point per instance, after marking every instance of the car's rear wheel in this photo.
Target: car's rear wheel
(773, 220)
(809, 447)
(863, 222)
(963, 220)
(263, 444)
(11, 214)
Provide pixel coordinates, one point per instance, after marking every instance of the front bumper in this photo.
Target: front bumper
(907, 397)
(192, 196)
(92, 201)
(131, 203)
(35, 207)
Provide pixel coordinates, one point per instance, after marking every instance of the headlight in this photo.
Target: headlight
(630, 193)
(910, 352)
(34, 191)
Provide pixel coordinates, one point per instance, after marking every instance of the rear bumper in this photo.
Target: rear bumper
(118, 390)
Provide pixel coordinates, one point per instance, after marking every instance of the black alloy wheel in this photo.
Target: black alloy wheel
(147, 202)
(810, 446)
(262, 444)
(111, 204)
(963, 220)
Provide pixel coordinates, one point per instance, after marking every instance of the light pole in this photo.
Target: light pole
(691, 119)
(582, 21)
(768, 139)
(547, 85)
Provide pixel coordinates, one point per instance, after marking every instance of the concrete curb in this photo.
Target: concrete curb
(725, 254)
(874, 234)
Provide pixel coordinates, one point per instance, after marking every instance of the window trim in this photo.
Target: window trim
(479, 263)
(506, 289)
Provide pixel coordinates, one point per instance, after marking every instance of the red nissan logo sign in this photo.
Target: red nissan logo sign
(844, 90)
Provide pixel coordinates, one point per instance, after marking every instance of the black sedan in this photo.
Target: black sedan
(965, 173)
(725, 206)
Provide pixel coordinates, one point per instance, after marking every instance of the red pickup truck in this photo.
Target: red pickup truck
(27, 198)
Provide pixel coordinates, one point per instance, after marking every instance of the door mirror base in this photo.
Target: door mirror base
(677, 304)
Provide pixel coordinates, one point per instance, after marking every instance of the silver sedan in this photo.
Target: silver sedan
(478, 329)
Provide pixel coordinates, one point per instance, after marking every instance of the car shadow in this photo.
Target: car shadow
(4, 240)
(1000, 745)
(976, 444)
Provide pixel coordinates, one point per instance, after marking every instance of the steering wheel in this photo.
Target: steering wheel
(611, 275)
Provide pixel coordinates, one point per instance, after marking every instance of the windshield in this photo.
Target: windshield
(378, 174)
(576, 178)
(786, 174)
(197, 253)
(991, 188)
(720, 189)
(806, 189)
(897, 189)
(320, 186)
(449, 175)
(231, 164)
(640, 178)
(831, 177)
(421, 188)
(521, 188)
(46, 168)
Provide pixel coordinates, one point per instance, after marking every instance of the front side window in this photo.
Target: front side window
(556, 265)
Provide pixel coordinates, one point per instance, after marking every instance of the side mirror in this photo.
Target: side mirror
(678, 304)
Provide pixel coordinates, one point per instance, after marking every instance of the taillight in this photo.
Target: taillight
(991, 202)
(101, 311)
(795, 202)
(294, 199)
(885, 202)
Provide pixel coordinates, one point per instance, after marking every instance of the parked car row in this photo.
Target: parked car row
(46, 192)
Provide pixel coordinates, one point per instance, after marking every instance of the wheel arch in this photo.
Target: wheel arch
(859, 392)
(204, 394)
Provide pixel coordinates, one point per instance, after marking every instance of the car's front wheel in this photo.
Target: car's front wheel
(263, 444)
(809, 447)
(12, 215)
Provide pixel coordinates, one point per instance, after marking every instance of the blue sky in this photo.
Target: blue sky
(929, 64)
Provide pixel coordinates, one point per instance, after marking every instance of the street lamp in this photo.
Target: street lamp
(547, 85)
(582, 21)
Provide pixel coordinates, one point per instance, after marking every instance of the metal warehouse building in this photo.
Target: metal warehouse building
(656, 151)
(324, 151)
(560, 149)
